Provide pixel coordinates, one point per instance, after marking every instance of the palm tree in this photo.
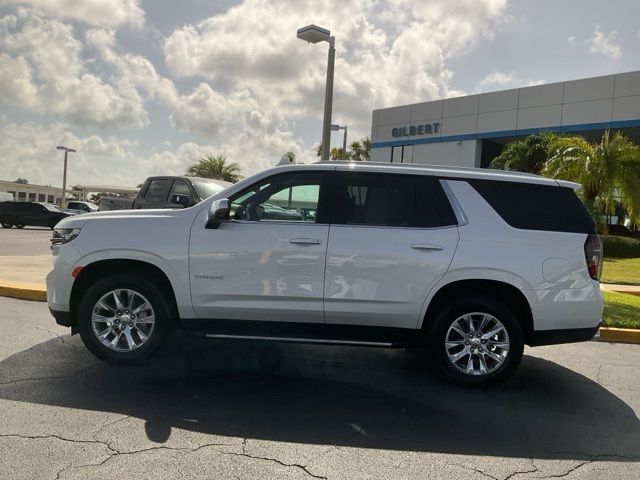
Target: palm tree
(525, 155)
(606, 170)
(215, 167)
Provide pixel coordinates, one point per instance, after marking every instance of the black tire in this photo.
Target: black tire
(157, 299)
(448, 315)
(6, 224)
(19, 226)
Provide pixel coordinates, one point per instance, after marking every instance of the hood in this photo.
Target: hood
(77, 221)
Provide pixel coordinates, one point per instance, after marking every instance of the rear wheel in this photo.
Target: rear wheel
(476, 342)
(123, 319)
(6, 224)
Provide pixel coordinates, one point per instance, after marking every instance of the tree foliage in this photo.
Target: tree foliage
(525, 155)
(606, 170)
(359, 150)
(215, 167)
(23, 181)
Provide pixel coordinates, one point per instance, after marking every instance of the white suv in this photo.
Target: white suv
(472, 264)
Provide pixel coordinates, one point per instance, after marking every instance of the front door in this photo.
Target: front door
(266, 263)
(392, 238)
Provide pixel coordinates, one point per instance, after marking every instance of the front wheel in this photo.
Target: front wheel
(476, 342)
(123, 319)
(19, 226)
(6, 224)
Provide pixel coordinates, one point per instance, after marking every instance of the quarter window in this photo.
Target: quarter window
(287, 197)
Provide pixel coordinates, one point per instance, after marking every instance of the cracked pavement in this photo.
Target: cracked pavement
(253, 410)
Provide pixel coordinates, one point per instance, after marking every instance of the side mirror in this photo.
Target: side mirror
(218, 213)
(181, 200)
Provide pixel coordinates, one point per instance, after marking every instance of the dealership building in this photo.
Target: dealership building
(470, 131)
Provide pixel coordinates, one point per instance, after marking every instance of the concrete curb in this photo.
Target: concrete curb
(627, 289)
(23, 291)
(621, 335)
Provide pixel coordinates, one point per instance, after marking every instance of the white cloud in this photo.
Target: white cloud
(604, 44)
(50, 75)
(252, 48)
(497, 80)
(29, 151)
(111, 13)
(571, 40)
(16, 81)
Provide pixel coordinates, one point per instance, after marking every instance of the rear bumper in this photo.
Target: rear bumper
(569, 335)
(62, 318)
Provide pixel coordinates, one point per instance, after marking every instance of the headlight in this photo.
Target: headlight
(64, 235)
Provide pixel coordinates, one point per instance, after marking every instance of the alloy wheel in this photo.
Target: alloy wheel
(477, 343)
(123, 320)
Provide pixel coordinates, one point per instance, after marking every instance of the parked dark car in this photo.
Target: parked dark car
(622, 231)
(19, 214)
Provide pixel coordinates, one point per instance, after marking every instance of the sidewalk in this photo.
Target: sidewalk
(24, 276)
(614, 287)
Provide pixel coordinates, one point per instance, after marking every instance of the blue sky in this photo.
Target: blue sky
(146, 87)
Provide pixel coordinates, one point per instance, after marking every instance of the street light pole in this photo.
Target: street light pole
(64, 174)
(328, 103)
(335, 127)
(315, 34)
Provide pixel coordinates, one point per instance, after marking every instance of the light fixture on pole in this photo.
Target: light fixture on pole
(64, 174)
(335, 127)
(315, 34)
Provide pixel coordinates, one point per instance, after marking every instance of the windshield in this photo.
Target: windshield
(206, 189)
(50, 207)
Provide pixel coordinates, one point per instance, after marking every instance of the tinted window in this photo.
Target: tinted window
(288, 197)
(390, 200)
(156, 189)
(536, 207)
(180, 187)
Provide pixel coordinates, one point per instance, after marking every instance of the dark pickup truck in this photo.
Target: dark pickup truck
(167, 192)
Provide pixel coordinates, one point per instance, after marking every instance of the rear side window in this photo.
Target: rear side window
(536, 207)
(389, 200)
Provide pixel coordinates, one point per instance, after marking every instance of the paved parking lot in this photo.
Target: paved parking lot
(24, 241)
(283, 411)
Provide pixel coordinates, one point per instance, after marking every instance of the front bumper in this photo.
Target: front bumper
(62, 318)
(569, 335)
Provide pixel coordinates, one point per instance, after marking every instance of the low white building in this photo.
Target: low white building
(27, 192)
(470, 131)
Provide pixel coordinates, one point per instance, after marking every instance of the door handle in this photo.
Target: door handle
(304, 241)
(426, 246)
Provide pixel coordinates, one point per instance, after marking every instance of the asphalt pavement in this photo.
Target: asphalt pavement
(25, 241)
(256, 410)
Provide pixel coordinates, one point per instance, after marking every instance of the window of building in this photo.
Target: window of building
(50, 198)
(32, 197)
(42, 197)
(22, 196)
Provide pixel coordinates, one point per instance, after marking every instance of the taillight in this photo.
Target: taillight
(593, 256)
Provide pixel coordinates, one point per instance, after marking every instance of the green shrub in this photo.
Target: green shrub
(620, 247)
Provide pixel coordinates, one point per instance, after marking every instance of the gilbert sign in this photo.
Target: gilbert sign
(412, 130)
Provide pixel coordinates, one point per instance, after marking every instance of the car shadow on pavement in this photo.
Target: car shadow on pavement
(343, 396)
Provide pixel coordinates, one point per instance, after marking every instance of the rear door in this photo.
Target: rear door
(391, 238)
